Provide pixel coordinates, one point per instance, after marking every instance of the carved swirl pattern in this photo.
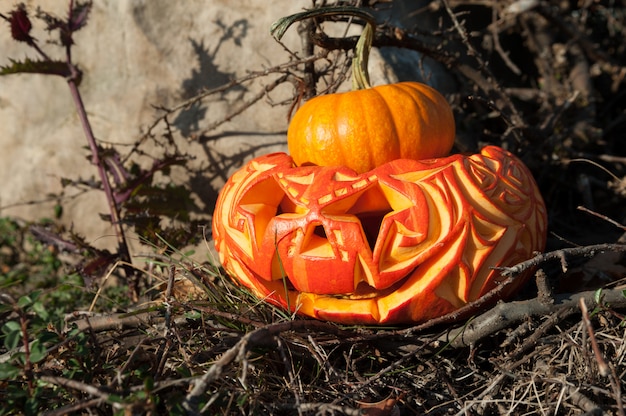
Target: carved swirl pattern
(405, 242)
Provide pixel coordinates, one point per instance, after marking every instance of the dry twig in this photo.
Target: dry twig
(505, 314)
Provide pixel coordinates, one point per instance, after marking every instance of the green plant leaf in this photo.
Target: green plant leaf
(148, 383)
(184, 371)
(32, 405)
(20, 357)
(40, 310)
(10, 327)
(12, 340)
(9, 371)
(114, 398)
(597, 296)
(24, 301)
(48, 337)
(13, 334)
(37, 351)
(29, 66)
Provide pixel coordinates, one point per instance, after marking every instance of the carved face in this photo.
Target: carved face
(405, 242)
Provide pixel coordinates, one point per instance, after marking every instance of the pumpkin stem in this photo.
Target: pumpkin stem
(360, 76)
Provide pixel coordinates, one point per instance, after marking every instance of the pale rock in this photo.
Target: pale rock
(139, 54)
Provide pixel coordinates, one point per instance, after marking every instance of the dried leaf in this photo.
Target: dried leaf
(79, 16)
(385, 407)
(20, 24)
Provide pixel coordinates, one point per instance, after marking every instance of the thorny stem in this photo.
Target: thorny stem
(28, 366)
(95, 160)
(360, 76)
(74, 75)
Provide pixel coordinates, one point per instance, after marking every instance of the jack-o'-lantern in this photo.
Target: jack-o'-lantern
(405, 242)
(373, 234)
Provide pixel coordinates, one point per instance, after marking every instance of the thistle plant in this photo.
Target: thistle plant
(132, 198)
(76, 19)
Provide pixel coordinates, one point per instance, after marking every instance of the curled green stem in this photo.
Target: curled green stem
(360, 76)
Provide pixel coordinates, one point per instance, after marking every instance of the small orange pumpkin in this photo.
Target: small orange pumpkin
(369, 126)
(366, 128)
(405, 242)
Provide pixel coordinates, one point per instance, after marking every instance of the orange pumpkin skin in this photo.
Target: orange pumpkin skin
(366, 128)
(403, 243)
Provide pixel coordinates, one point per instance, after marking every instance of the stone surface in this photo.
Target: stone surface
(136, 55)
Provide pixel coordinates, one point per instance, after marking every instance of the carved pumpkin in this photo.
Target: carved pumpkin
(366, 128)
(405, 242)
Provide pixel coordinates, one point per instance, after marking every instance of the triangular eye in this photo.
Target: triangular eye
(262, 203)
